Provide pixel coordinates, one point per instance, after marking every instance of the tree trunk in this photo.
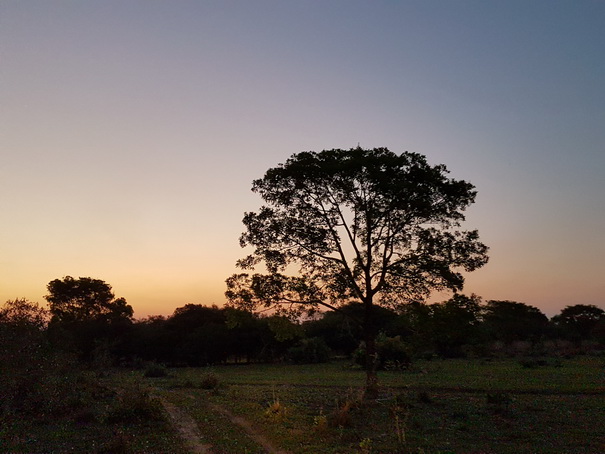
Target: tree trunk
(371, 360)
(371, 391)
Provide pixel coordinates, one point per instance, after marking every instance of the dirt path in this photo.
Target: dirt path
(187, 428)
(252, 433)
(189, 431)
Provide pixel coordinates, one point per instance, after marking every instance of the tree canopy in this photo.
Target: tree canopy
(510, 320)
(85, 299)
(341, 226)
(579, 321)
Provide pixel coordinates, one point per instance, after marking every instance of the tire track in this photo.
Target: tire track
(186, 427)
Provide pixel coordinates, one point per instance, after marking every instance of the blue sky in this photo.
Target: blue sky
(130, 132)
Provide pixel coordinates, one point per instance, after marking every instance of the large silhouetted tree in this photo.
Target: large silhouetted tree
(340, 226)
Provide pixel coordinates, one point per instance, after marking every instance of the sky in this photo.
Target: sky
(130, 132)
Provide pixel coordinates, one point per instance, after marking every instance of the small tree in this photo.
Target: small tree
(510, 321)
(85, 299)
(87, 311)
(366, 226)
(579, 321)
(23, 314)
(201, 334)
(456, 323)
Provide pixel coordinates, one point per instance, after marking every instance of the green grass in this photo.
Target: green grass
(583, 374)
(440, 406)
(437, 407)
(121, 418)
(218, 431)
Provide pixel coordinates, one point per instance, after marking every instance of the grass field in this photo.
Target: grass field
(440, 406)
(452, 406)
(85, 416)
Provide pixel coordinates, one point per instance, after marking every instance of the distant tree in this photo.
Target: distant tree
(391, 353)
(24, 314)
(27, 364)
(85, 299)
(86, 316)
(309, 350)
(579, 321)
(200, 334)
(340, 333)
(509, 321)
(342, 329)
(415, 324)
(456, 323)
(368, 226)
(22, 331)
(150, 340)
(248, 334)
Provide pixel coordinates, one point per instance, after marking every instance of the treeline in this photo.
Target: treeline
(196, 335)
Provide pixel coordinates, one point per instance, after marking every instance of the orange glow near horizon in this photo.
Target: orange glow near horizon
(130, 134)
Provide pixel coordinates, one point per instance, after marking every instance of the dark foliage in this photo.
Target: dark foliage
(580, 322)
(366, 226)
(309, 351)
(391, 354)
(342, 329)
(86, 318)
(510, 321)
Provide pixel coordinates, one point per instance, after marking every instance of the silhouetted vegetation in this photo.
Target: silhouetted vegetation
(580, 322)
(53, 399)
(86, 318)
(366, 226)
(54, 375)
(197, 335)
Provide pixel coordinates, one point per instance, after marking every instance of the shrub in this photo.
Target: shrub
(341, 415)
(134, 404)
(392, 354)
(276, 411)
(209, 381)
(309, 351)
(156, 371)
(320, 422)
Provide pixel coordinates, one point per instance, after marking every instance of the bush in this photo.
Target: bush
(134, 404)
(156, 371)
(341, 416)
(309, 351)
(37, 381)
(392, 354)
(209, 381)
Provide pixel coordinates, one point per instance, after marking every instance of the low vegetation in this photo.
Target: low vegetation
(449, 382)
(441, 406)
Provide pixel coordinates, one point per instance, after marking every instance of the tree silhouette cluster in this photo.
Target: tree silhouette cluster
(197, 335)
(368, 234)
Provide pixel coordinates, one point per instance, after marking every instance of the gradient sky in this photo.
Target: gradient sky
(130, 132)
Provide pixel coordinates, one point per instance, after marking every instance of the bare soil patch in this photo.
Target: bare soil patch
(187, 428)
(249, 428)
